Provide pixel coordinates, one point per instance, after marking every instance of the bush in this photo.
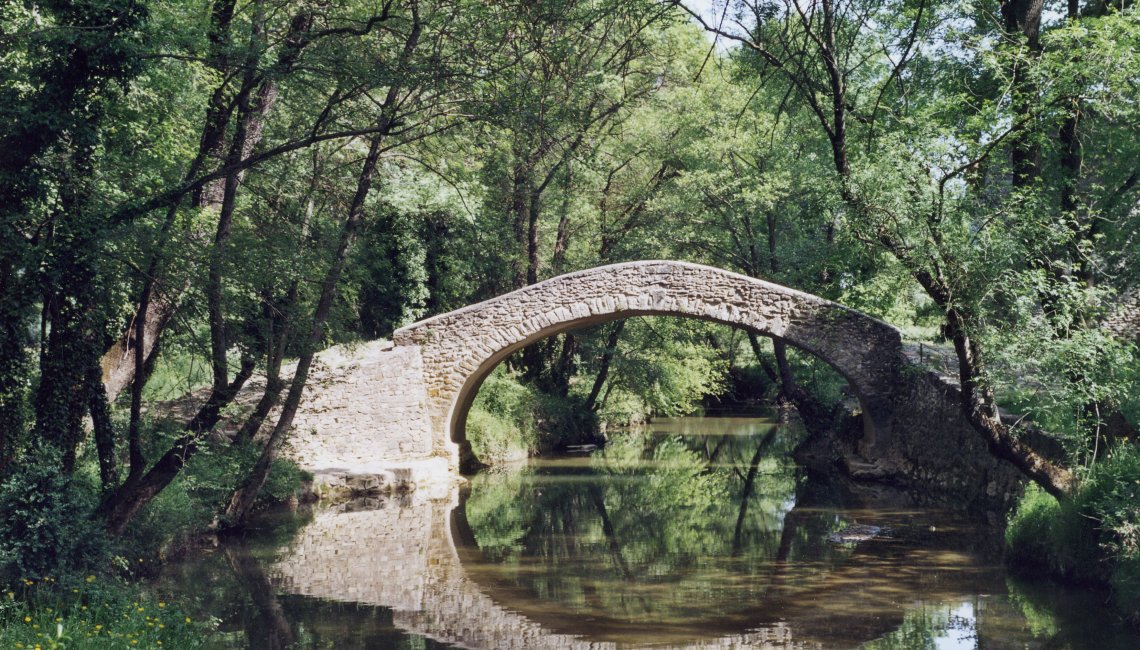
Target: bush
(45, 527)
(189, 504)
(494, 438)
(510, 420)
(1095, 537)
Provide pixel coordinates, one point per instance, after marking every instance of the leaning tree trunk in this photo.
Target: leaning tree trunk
(604, 369)
(980, 406)
(104, 430)
(242, 500)
(121, 505)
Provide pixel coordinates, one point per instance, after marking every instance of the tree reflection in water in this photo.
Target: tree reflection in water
(697, 531)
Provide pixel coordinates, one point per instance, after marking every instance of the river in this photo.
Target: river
(694, 532)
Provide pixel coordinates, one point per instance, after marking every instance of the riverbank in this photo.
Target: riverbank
(668, 536)
(1094, 538)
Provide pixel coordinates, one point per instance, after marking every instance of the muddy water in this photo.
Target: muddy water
(697, 532)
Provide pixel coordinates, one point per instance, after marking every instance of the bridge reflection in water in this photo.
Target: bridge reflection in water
(417, 556)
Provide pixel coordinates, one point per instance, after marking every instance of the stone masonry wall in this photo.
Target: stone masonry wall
(1124, 322)
(390, 412)
(364, 413)
(461, 347)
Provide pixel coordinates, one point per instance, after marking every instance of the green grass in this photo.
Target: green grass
(1094, 537)
(91, 613)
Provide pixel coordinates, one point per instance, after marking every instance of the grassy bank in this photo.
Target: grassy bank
(65, 583)
(1093, 538)
(511, 420)
(94, 613)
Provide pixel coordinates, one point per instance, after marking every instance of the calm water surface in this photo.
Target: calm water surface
(698, 532)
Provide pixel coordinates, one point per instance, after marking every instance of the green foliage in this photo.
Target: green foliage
(511, 420)
(1095, 536)
(531, 139)
(45, 528)
(663, 367)
(94, 614)
(190, 504)
(1054, 367)
(391, 283)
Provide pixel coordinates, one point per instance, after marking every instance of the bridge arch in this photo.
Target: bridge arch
(460, 348)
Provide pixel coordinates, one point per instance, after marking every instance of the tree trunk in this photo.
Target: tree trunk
(563, 369)
(532, 237)
(520, 216)
(1023, 18)
(118, 363)
(121, 505)
(242, 500)
(275, 343)
(247, 116)
(118, 509)
(604, 369)
(562, 238)
(980, 407)
(104, 430)
(156, 305)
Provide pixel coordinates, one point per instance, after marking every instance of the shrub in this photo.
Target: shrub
(1093, 537)
(45, 527)
(94, 614)
(189, 504)
(511, 420)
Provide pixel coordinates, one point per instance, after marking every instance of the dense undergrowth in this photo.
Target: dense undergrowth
(511, 420)
(1092, 538)
(65, 583)
(94, 613)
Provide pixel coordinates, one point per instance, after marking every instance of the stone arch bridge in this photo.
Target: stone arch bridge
(394, 412)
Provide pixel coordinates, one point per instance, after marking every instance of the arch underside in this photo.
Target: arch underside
(465, 397)
(461, 348)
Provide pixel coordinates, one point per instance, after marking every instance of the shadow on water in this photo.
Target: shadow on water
(697, 533)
